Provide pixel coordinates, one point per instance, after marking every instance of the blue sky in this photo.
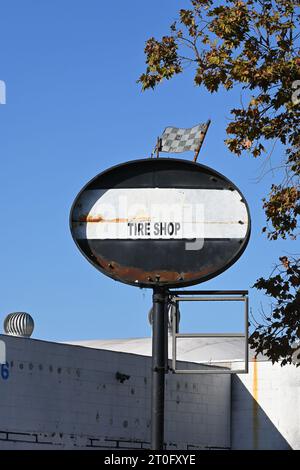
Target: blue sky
(73, 109)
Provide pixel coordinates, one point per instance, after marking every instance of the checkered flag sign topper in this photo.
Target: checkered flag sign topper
(177, 140)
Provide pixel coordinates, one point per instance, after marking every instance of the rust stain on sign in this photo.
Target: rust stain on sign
(99, 218)
(137, 275)
(118, 220)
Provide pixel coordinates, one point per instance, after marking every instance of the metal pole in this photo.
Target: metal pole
(202, 137)
(158, 146)
(159, 325)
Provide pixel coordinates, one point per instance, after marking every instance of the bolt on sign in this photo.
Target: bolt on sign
(160, 222)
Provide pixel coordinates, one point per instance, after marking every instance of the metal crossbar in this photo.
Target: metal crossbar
(239, 296)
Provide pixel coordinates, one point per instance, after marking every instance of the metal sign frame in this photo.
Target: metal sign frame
(206, 296)
(160, 172)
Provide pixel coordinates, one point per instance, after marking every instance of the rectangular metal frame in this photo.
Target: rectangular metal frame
(217, 295)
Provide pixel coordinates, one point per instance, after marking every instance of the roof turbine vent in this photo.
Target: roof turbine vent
(19, 324)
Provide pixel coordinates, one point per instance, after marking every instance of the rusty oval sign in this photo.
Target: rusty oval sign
(165, 222)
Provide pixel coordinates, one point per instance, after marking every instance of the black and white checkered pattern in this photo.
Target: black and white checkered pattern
(177, 140)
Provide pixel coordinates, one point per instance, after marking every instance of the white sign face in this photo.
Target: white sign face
(160, 222)
(160, 213)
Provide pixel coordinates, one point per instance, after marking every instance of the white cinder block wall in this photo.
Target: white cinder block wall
(64, 396)
(266, 407)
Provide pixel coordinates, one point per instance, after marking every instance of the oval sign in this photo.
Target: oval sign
(160, 222)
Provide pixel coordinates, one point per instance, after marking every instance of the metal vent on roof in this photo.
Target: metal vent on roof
(19, 324)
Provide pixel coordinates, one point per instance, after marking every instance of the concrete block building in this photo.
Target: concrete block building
(96, 394)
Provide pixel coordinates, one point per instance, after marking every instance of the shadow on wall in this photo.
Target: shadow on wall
(251, 428)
